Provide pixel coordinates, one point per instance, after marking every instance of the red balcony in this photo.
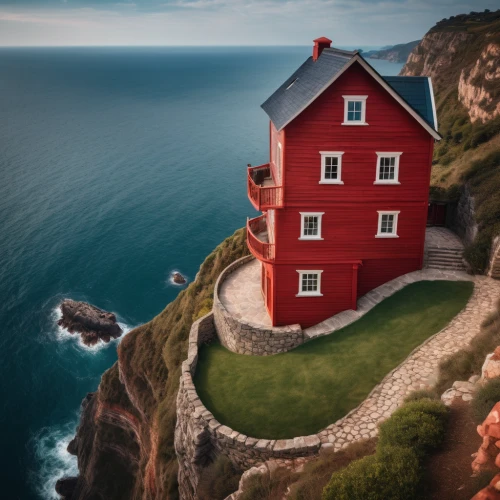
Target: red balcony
(262, 190)
(258, 239)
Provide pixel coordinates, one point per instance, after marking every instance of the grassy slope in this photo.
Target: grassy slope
(300, 392)
(151, 356)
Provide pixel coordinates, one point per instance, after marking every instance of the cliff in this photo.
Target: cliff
(462, 56)
(125, 440)
(397, 53)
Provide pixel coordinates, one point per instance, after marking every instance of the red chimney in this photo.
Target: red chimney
(319, 45)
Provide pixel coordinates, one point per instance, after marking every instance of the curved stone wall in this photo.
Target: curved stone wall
(199, 437)
(245, 337)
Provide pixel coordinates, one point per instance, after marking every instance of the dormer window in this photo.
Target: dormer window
(355, 109)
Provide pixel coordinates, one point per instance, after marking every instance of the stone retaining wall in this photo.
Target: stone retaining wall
(247, 338)
(463, 218)
(199, 437)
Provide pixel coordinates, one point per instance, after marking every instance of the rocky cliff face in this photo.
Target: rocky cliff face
(125, 440)
(462, 54)
(477, 87)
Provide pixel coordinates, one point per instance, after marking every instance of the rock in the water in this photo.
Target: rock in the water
(178, 278)
(89, 321)
(66, 486)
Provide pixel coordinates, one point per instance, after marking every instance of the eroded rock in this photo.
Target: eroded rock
(93, 324)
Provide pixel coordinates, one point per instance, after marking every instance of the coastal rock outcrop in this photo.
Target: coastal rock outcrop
(92, 323)
(178, 279)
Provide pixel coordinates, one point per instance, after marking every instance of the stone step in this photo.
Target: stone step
(454, 267)
(445, 258)
(445, 261)
(445, 264)
(445, 251)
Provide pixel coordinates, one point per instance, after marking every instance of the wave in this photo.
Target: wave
(50, 448)
(63, 335)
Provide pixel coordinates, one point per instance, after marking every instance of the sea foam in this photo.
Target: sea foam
(50, 448)
(63, 335)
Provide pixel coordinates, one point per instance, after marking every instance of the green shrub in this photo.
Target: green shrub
(317, 473)
(391, 474)
(218, 480)
(485, 399)
(477, 254)
(268, 486)
(419, 425)
(421, 394)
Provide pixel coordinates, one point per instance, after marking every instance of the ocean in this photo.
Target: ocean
(117, 167)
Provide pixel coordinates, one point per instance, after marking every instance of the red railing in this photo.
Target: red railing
(263, 197)
(263, 250)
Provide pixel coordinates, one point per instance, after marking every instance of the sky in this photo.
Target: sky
(223, 22)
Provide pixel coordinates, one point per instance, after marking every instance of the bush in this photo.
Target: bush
(218, 480)
(419, 425)
(268, 486)
(477, 254)
(485, 399)
(318, 472)
(421, 394)
(391, 474)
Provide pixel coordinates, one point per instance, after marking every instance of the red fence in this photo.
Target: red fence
(262, 250)
(263, 198)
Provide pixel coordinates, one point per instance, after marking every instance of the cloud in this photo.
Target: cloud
(222, 22)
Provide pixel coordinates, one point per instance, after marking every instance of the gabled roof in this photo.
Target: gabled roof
(306, 84)
(314, 77)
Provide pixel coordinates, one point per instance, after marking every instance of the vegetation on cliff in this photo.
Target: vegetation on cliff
(462, 55)
(141, 389)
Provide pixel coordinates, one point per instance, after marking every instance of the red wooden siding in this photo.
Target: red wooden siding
(336, 286)
(350, 220)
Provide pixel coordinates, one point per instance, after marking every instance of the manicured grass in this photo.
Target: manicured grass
(304, 390)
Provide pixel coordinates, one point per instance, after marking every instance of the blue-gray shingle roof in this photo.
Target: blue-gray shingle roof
(306, 82)
(298, 91)
(416, 91)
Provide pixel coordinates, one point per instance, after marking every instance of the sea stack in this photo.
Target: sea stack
(92, 323)
(178, 278)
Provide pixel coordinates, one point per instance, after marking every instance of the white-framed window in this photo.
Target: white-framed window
(355, 109)
(310, 225)
(387, 168)
(387, 224)
(331, 167)
(309, 283)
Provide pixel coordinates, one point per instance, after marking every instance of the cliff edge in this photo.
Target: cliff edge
(125, 440)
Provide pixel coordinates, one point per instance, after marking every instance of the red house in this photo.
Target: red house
(345, 193)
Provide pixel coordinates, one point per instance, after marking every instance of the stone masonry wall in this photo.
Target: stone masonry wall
(464, 223)
(199, 437)
(247, 338)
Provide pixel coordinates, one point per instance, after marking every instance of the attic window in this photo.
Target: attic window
(355, 109)
(291, 83)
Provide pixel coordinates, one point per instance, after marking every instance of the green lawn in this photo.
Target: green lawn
(304, 390)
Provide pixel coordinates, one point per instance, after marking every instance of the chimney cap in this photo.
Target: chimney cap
(322, 39)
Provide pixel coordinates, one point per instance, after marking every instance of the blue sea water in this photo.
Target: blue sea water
(117, 166)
